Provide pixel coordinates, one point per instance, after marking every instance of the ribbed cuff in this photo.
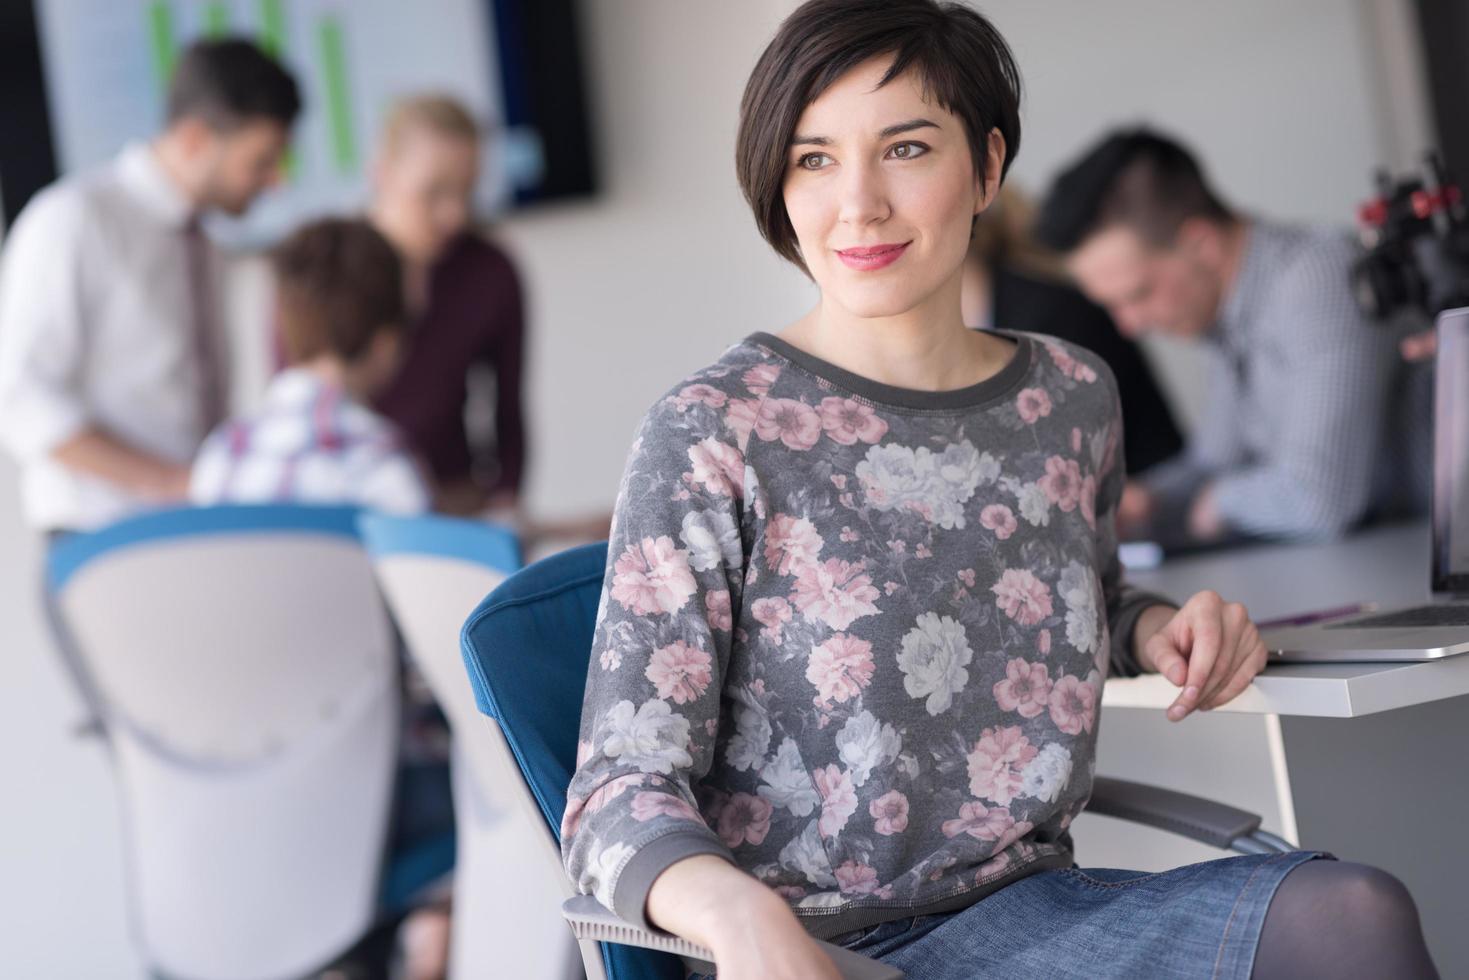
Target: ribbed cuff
(630, 899)
(1124, 659)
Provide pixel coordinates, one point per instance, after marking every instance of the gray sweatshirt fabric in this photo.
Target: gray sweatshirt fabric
(853, 637)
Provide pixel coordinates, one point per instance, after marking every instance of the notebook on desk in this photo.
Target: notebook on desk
(1440, 627)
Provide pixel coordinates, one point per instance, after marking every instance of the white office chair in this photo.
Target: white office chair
(434, 571)
(248, 687)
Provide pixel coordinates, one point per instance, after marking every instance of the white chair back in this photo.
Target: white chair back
(434, 571)
(245, 666)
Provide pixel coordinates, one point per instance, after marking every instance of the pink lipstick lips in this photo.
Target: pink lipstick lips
(871, 257)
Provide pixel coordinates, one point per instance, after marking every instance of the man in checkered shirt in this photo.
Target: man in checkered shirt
(1313, 422)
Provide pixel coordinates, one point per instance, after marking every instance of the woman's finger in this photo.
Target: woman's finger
(1233, 648)
(1205, 630)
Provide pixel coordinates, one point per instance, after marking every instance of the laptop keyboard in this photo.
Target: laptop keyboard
(1438, 615)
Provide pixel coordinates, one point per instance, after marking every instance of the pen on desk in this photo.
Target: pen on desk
(1317, 616)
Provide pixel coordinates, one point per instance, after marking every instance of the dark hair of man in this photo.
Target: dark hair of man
(228, 82)
(959, 57)
(1136, 178)
(338, 283)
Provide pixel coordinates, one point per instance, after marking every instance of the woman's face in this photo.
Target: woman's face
(881, 189)
(424, 188)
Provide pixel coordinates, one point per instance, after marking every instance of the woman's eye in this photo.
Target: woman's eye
(813, 161)
(908, 151)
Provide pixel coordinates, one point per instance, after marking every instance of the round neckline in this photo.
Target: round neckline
(892, 396)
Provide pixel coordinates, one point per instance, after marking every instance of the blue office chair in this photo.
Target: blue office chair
(433, 571)
(246, 676)
(526, 649)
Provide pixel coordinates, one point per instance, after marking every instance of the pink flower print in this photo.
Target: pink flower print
(679, 671)
(608, 792)
(1033, 404)
(856, 879)
(745, 819)
(711, 726)
(699, 394)
(889, 813)
(1073, 705)
(611, 659)
(840, 667)
(898, 547)
(890, 587)
(979, 821)
(716, 604)
(839, 481)
(760, 377)
(966, 575)
(583, 751)
(1043, 642)
(1075, 440)
(992, 867)
(1062, 359)
(681, 494)
(1089, 501)
(835, 592)
(1084, 373)
(921, 551)
(792, 422)
(718, 468)
(997, 764)
(1025, 688)
(1000, 519)
(847, 421)
(1011, 833)
(791, 544)
(850, 535)
(739, 417)
(848, 501)
(646, 806)
(791, 893)
(652, 577)
(1025, 598)
(838, 799)
(1062, 483)
(772, 614)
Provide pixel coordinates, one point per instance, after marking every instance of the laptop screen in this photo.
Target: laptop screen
(1451, 454)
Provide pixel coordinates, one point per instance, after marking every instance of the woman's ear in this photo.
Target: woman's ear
(987, 177)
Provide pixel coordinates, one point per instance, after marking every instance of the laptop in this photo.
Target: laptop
(1439, 628)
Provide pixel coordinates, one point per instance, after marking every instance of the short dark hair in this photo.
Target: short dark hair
(338, 283)
(228, 82)
(1136, 177)
(960, 58)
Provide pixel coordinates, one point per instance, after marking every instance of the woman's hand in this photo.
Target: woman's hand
(750, 930)
(1209, 648)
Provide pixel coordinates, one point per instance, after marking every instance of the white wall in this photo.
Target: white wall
(1291, 104)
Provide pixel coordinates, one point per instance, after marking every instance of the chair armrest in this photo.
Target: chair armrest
(1189, 816)
(590, 920)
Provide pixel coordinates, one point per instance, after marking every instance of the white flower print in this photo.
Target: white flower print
(865, 744)
(747, 747)
(653, 738)
(600, 874)
(935, 655)
(787, 784)
(1035, 506)
(936, 486)
(712, 539)
(1047, 774)
(807, 854)
(1078, 589)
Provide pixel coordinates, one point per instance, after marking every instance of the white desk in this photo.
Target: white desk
(1366, 761)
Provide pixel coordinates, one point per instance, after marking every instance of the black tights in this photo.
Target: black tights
(1344, 921)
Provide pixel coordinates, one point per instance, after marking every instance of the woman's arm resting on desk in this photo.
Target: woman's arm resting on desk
(1209, 648)
(750, 929)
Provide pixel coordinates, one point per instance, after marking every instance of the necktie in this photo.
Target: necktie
(208, 369)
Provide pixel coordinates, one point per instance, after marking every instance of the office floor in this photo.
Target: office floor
(62, 912)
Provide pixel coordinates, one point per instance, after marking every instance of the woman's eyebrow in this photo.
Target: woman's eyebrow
(888, 132)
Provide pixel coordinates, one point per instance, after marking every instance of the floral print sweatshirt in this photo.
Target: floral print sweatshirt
(852, 637)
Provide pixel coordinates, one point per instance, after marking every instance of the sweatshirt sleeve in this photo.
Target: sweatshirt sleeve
(1125, 603)
(659, 655)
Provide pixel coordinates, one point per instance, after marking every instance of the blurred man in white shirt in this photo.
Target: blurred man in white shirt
(112, 349)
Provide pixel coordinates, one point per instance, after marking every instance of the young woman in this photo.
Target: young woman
(863, 592)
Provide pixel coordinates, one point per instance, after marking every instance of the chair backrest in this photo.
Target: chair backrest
(526, 649)
(244, 663)
(434, 571)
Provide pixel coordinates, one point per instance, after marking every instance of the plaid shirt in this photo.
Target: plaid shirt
(309, 443)
(1313, 421)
